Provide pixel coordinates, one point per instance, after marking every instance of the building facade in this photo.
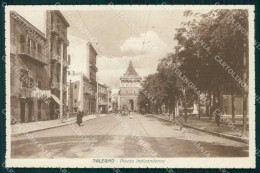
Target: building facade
(129, 88)
(91, 75)
(29, 75)
(102, 98)
(79, 93)
(56, 34)
(83, 85)
(109, 98)
(115, 104)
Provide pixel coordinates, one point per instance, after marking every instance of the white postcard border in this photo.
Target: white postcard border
(245, 162)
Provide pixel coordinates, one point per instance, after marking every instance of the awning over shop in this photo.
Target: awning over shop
(56, 99)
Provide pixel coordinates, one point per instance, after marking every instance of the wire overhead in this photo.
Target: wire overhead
(146, 32)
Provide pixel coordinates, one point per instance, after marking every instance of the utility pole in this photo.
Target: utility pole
(97, 100)
(61, 84)
(81, 88)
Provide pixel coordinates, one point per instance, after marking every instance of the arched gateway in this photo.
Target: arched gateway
(129, 88)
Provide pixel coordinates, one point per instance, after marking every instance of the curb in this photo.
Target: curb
(52, 127)
(238, 139)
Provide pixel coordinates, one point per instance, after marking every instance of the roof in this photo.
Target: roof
(131, 70)
(92, 48)
(18, 17)
(62, 17)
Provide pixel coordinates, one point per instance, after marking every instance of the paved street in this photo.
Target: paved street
(109, 136)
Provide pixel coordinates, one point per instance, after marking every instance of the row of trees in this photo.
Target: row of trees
(212, 54)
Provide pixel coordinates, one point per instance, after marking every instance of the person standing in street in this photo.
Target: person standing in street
(217, 117)
(79, 117)
(217, 113)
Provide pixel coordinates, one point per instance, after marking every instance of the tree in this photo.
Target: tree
(210, 35)
(209, 47)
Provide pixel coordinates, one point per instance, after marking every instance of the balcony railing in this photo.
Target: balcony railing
(64, 87)
(93, 66)
(54, 29)
(25, 50)
(102, 102)
(55, 85)
(54, 57)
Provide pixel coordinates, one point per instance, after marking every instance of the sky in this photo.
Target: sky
(143, 36)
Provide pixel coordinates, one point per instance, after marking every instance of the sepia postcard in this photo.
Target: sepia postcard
(120, 86)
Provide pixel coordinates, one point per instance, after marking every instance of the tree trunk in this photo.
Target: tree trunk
(157, 107)
(245, 79)
(220, 100)
(213, 106)
(185, 109)
(210, 105)
(173, 108)
(207, 104)
(199, 106)
(244, 112)
(172, 112)
(233, 107)
(176, 109)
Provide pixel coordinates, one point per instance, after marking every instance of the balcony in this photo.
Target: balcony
(55, 85)
(54, 57)
(26, 92)
(93, 66)
(62, 37)
(54, 30)
(64, 87)
(88, 90)
(102, 102)
(24, 50)
(65, 65)
(67, 42)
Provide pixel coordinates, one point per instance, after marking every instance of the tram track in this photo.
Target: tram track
(92, 133)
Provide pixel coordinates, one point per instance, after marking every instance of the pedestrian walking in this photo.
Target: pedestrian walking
(143, 111)
(130, 113)
(217, 113)
(109, 110)
(79, 117)
(217, 119)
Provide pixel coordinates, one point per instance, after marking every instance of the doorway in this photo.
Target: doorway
(52, 109)
(30, 110)
(39, 103)
(22, 111)
(131, 102)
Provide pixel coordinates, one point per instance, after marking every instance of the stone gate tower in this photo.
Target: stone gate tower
(129, 88)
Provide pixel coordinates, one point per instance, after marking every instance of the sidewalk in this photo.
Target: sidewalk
(210, 126)
(43, 125)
